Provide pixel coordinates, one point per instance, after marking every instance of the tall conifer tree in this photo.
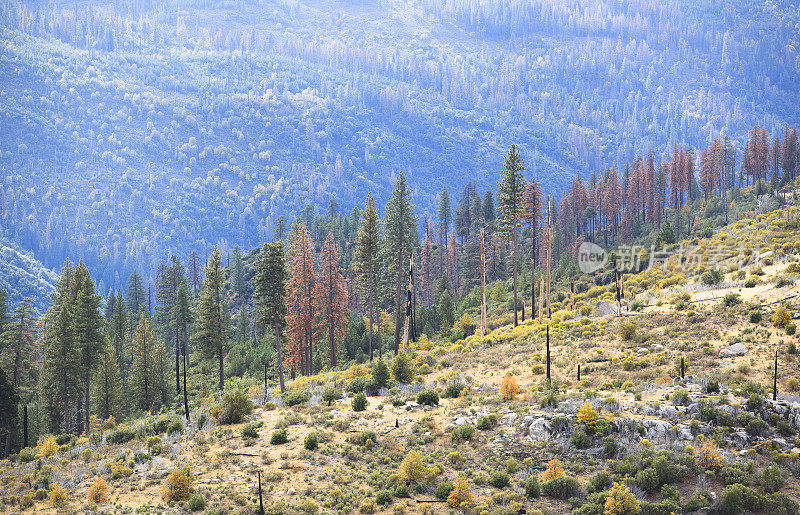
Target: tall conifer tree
(510, 196)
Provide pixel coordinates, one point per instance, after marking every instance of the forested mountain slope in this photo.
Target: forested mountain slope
(22, 276)
(147, 128)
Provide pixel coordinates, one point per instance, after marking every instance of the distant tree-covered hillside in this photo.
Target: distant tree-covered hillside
(142, 129)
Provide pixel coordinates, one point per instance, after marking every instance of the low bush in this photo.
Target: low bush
(122, 434)
(428, 398)
(453, 391)
(295, 398)
(179, 483)
(580, 439)
(311, 442)
(249, 431)
(279, 436)
(737, 498)
(462, 432)
(443, 489)
(232, 409)
(532, 488)
(331, 395)
(384, 497)
(562, 487)
(196, 502)
(486, 422)
(499, 479)
(359, 402)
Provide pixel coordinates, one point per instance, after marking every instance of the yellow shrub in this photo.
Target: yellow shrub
(109, 423)
(781, 317)
(461, 496)
(510, 388)
(98, 492)
(793, 384)
(707, 455)
(621, 501)
(47, 446)
(412, 468)
(356, 371)
(588, 415)
(179, 484)
(58, 495)
(554, 469)
(119, 470)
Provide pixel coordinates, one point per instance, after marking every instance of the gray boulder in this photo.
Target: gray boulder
(737, 349)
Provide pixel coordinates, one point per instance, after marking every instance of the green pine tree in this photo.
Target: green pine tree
(210, 335)
(88, 325)
(510, 197)
(106, 391)
(135, 300)
(238, 282)
(270, 295)
(17, 341)
(61, 364)
(144, 367)
(118, 330)
(9, 412)
(401, 239)
(366, 260)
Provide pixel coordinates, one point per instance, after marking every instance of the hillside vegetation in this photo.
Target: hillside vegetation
(661, 420)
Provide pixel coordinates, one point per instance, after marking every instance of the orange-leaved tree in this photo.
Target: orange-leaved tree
(331, 296)
(300, 301)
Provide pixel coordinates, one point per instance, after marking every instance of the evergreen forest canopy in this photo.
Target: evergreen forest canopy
(150, 129)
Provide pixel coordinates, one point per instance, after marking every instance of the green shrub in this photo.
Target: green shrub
(532, 489)
(734, 473)
(295, 398)
(462, 432)
(311, 442)
(453, 391)
(249, 431)
(428, 398)
(580, 439)
(366, 438)
(401, 491)
(731, 299)
(599, 482)
(443, 489)
(750, 282)
(647, 479)
(359, 402)
(279, 436)
(562, 487)
(402, 369)
(697, 501)
(384, 497)
(380, 374)
(196, 502)
(711, 277)
(486, 422)
(331, 395)
(755, 316)
(27, 455)
(359, 384)
(627, 329)
(735, 499)
(122, 434)
(610, 447)
(681, 397)
(234, 407)
(712, 386)
(499, 479)
(790, 328)
(772, 479)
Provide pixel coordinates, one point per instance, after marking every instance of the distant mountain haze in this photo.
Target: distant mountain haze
(134, 130)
